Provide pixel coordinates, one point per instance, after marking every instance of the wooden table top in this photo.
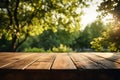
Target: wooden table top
(59, 61)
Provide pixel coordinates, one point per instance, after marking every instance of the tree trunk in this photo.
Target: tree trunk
(13, 44)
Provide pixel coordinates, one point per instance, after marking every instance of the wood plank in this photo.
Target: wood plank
(9, 54)
(44, 62)
(83, 62)
(6, 55)
(110, 56)
(23, 63)
(11, 58)
(63, 61)
(102, 61)
(48, 57)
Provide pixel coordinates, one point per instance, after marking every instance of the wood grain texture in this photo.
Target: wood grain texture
(83, 62)
(61, 66)
(23, 63)
(63, 61)
(45, 61)
(103, 61)
(11, 58)
(109, 56)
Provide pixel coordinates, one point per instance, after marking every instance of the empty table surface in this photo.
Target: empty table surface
(59, 61)
(59, 66)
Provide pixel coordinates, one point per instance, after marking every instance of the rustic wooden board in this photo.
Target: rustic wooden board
(45, 61)
(47, 57)
(23, 63)
(11, 58)
(59, 61)
(63, 61)
(83, 62)
(60, 66)
(6, 55)
(109, 56)
(103, 61)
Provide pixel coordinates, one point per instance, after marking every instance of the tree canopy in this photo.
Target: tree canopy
(87, 35)
(110, 7)
(110, 38)
(23, 18)
(55, 25)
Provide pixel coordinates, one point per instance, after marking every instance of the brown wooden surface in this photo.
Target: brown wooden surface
(59, 61)
(44, 62)
(82, 62)
(59, 66)
(63, 61)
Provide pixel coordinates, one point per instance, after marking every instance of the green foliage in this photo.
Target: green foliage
(61, 48)
(90, 32)
(49, 39)
(112, 47)
(34, 50)
(22, 18)
(110, 7)
(97, 44)
(110, 39)
(3, 43)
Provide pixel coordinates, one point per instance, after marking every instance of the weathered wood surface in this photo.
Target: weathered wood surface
(60, 65)
(53, 61)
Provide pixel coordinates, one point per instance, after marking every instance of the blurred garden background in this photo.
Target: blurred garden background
(59, 25)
